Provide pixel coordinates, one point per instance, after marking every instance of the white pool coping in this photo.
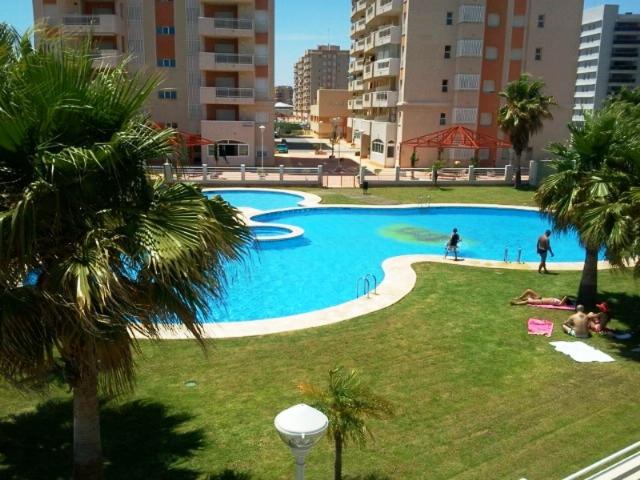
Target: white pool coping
(399, 279)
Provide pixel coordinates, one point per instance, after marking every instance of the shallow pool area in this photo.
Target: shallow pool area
(340, 245)
(257, 199)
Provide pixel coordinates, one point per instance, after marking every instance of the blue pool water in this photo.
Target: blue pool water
(258, 199)
(261, 231)
(341, 245)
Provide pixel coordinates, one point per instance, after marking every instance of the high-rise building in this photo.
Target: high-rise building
(609, 57)
(418, 67)
(215, 58)
(284, 94)
(324, 67)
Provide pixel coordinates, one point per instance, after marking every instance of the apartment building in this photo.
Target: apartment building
(609, 58)
(324, 67)
(284, 94)
(329, 112)
(418, 67)
(216, 59)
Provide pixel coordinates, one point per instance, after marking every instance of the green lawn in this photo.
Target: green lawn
(395, 195)
(477, 397)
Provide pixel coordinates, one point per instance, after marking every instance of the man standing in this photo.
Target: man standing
(544, 247)
(452, 244)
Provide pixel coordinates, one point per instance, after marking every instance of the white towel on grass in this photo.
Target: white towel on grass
(581, 352)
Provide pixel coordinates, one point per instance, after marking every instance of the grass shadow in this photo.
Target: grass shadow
(229, 475)
(370, 476)
(141, 440)
(624, 308)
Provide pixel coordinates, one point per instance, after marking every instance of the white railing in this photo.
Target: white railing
(234, 58)
(621, 469)
(227, 92)
(233, 23)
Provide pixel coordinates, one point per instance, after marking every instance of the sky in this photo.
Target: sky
(297, 28)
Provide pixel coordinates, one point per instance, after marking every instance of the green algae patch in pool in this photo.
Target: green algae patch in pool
(411, 234)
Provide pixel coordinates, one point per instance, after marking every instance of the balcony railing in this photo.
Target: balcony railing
(234, 58)
(227, 92)
(233, 23)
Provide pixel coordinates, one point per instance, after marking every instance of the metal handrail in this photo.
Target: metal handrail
(606, 461)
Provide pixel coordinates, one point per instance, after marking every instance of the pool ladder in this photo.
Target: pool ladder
(366, 283)
(518, 258)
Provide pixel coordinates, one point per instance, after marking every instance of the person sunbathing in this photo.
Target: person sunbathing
(531, 297)
(577, 324)
(598, 320)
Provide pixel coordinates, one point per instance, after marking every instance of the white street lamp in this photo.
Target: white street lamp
(262, 128)
(300, 427)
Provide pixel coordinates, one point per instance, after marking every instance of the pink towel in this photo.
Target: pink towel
(537, 326)
(555, 307)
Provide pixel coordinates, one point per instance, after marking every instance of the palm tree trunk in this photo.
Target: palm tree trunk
(588, 290)
(87, 448)
(518, 169)
(337, 466)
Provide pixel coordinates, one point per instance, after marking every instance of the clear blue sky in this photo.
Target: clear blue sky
(300, 24)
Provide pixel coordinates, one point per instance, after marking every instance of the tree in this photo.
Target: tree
(348, 404)
(595, 189)
(523, 114)
(92, 252)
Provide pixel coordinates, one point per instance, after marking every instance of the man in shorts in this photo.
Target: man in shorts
(544, 247)
(578, 324)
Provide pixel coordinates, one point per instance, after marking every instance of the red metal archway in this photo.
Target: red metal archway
(456, 137)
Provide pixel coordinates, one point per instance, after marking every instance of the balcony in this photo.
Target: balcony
(386, 99)
(358, 27)
(356, 85)
(356, 66)
(370, 42)
(226, 62)
(227, 27)
(388, 7)
(371, 13)
(106, 58)
(89, 24)
(355, 103)
(389, 67)
(388, 36)
(358, 7)
(368, 72)
(357, 47)
(228, 96)
(367, 100)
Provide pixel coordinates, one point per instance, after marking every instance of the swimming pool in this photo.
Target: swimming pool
(340, 245)
(258, 199)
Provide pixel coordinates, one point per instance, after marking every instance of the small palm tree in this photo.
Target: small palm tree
(595, 189)
(523, 114)
(93, 253)
(348, 404)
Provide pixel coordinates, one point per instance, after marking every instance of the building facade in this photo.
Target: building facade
(324, 67)
(284, 94)
(609, 57)
(418, 67)
(215, 58)
(329, 112)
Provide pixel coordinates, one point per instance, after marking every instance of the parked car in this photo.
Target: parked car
(282, 148)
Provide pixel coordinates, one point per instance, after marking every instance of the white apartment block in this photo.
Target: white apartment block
(609, 58)
(216, 58)
(421, 66)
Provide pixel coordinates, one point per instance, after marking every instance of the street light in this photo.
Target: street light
(262, 129)
(300, 427)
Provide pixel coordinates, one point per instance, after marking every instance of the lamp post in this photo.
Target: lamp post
(300, 427)
(262, 129)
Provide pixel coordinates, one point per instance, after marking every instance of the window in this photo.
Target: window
(489, 86)
(377, 146)
(445, 86)
(166, 30)
(443, 119)
(516, 54)
(167, 62)
(447, 51)
(485, 119)
(168, 94)
(493, 20)
(229, 148)
(391, 150)
(491, 53)
(449, 18)
(173, 125)
(538, 54)
(518, 21)
(541, 21)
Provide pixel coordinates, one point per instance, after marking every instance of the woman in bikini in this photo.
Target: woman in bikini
(531, 297)
(598, 321)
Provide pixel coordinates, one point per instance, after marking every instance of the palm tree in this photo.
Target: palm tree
(523, 114)
(93, 253)
(594, 190)
(348, 404)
